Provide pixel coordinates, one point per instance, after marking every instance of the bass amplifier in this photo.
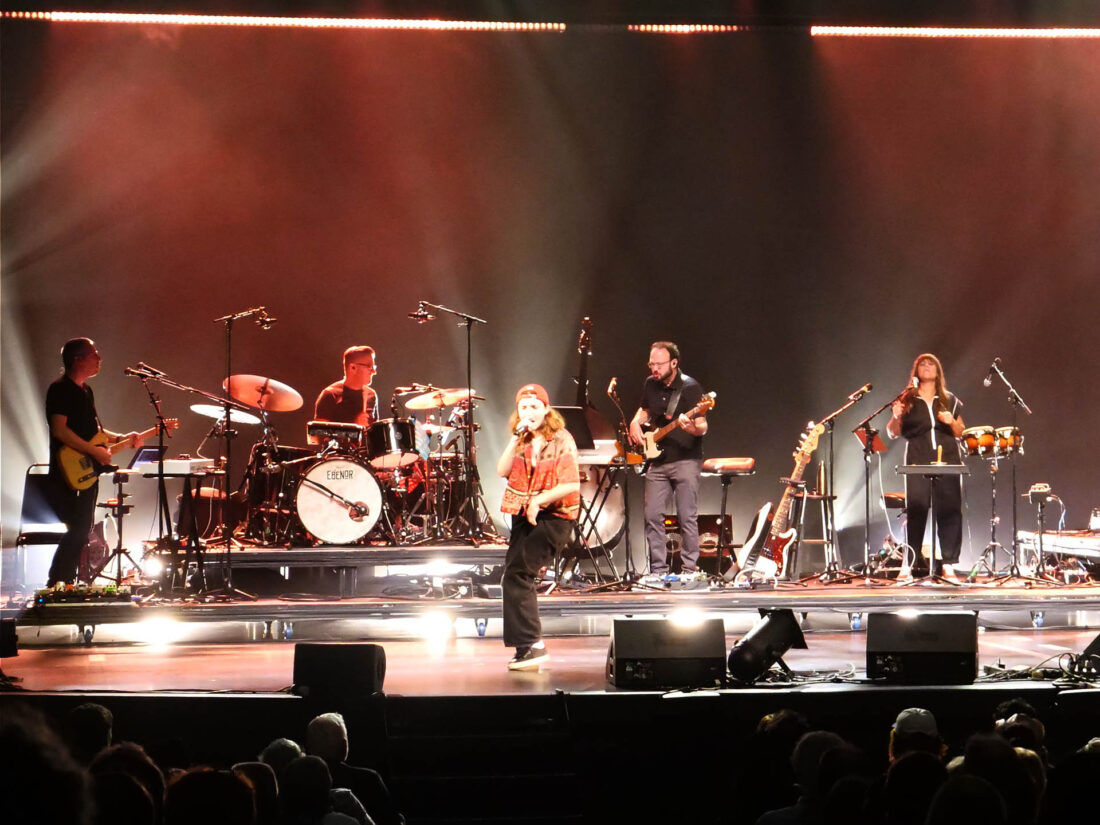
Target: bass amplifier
(651, 654)
(924, 649)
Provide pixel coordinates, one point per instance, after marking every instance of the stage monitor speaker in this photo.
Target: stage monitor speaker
(651, 654)
(338, 669)
(709, 524)
(923, 649)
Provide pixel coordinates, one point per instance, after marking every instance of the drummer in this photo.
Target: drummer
(351, 399)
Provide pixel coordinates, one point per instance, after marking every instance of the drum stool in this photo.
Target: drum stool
(727, 469)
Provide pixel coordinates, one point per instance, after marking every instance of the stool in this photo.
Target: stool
(727, 469)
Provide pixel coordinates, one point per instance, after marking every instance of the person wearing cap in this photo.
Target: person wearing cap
(915, 729)
(669, 393)
(542, 495)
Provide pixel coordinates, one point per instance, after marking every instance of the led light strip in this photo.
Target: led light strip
(932, 31)
(281, 22)
(682, 28)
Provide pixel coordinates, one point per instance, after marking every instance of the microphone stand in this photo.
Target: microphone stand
(868, 437)
(1016, 403)
(227, 590)
(478, 522)
(832, 573)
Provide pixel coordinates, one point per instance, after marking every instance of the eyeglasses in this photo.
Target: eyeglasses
(653, 364)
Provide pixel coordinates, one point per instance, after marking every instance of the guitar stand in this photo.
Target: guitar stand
(118, 508)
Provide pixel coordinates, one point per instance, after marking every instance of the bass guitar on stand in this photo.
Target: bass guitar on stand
(763, 556)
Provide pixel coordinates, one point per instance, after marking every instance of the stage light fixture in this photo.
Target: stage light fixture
(763, 646)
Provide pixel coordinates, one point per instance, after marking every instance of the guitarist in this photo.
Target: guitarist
(666, 395)
(73, 422)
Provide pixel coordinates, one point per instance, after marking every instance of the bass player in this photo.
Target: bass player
(669, 393)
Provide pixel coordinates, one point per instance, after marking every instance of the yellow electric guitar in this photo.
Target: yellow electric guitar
(81, 470)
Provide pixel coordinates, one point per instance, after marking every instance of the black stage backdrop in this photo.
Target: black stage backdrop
(803, 215)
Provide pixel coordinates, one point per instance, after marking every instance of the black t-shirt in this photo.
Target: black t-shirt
(77, 404)
(339, 403)
(678, 444)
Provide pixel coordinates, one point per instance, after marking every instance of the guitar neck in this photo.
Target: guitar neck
(782, 512)
(125, 442)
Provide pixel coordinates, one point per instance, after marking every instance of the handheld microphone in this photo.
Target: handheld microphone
(992, 369)
(522, 426)
(858, 394)
(135, 372)
(612, 385)
(151, 370)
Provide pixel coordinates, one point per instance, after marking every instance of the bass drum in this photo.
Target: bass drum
(603, 517)
(339, 501)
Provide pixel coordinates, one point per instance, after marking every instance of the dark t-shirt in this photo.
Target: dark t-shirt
(678, 444)
(924, 432)
(77, 404)
(338, 403)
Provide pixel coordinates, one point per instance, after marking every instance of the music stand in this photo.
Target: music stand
(932, 472)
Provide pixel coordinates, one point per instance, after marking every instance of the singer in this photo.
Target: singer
(927, 416)
(542, 495)
(73, 422)
(351, 399)
(669, 393)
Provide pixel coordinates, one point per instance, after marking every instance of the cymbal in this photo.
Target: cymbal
(263, 393)
(432, 429)
(214, 411)
(441, 398)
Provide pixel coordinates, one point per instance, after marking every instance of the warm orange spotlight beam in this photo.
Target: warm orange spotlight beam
(281, 22)
(935, 31)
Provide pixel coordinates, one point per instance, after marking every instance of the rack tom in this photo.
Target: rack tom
(979, 441)
(347, 437)
(395, 442)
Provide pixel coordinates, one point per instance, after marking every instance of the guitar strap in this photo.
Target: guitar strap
(674, 399)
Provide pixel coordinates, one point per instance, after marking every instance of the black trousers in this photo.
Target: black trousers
(76, 508)
(947, 512)
(530, 548)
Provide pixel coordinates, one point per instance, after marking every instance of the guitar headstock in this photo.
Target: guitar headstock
(707, 402)
(584, 340)
(171, 423)
(808, 442)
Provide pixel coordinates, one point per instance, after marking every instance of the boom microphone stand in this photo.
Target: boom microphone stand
(478, 521)
(1016, 403)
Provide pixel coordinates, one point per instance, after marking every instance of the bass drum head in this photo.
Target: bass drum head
(339, 501)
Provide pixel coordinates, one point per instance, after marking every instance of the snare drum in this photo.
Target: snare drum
(979, 441)
(1009, 441)
(339, 501)
(395, 442)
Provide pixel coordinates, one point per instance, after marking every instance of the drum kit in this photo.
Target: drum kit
(994, 444)
(398, 481)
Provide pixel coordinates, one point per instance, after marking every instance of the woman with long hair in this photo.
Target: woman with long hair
(542, 495)
(927, 416)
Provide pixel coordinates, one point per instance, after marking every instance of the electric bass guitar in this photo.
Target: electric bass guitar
(81, 470)
(649, 447)
(765, 550)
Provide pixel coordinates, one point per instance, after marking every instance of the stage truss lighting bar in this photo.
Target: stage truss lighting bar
(944, 32)
(283, 22)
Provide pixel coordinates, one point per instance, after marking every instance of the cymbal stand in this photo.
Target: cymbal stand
(479, 524)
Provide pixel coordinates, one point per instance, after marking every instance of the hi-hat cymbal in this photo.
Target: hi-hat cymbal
(441, 398)
(214, 411)
(263, 393)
